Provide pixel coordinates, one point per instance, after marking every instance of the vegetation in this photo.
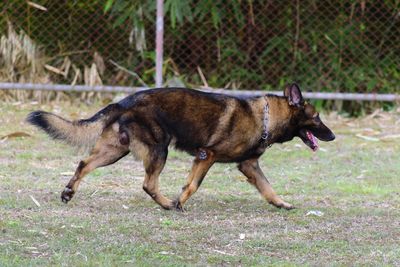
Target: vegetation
(352, 183)
(342, 45)
(346, 45)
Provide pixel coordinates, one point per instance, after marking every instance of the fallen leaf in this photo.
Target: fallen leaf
(391, 136)
(166, 253)
(74, 115)
(67, 173)
(373, 115)
(370, 132)
(223, 253)
(368, 138)
(54, 69)
(35, 201)
(35, 5)
(15, 135)
(315, 213)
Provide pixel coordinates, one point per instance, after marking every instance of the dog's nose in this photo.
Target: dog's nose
(332, 137)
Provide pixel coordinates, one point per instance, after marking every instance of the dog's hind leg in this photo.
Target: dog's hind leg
(201, 164)
(255, 176)
(106, 151)
(154, 163)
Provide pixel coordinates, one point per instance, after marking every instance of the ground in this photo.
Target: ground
(346, 194)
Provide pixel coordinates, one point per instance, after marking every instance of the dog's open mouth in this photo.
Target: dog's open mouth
(312, 141)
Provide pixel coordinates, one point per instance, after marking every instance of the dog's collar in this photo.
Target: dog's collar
(265, 134)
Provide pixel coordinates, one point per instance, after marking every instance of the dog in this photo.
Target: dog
(210, 127)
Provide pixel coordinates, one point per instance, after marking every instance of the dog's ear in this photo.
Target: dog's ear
(293, 93)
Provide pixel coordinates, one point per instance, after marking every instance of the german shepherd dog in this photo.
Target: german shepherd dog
(211, 127)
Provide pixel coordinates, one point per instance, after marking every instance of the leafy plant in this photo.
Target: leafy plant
(342, 45)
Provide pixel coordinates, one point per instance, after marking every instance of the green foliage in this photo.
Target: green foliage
(178, 10)
(342, 45)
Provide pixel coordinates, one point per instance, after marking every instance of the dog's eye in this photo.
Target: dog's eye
(316, 119)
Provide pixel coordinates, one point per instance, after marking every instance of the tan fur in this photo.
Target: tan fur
(223, 122)
(140, 151)
(196, 176)
(243, 135)
(279, 112)
(255, 176)
(74, 134)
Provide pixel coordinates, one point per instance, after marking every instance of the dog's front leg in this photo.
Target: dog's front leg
(201, 164)
(251, 169)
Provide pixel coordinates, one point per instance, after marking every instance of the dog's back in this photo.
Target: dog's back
(192, 119)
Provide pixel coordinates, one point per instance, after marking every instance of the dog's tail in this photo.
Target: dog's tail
(79, 133)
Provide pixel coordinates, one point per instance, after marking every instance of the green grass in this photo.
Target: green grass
(112, 222)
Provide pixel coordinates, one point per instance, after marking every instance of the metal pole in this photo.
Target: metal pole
(126, 89)
(70, 88)
(159, 42)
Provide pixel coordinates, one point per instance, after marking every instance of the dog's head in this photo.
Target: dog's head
(306, 121)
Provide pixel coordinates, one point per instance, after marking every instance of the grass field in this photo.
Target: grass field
(353, 181)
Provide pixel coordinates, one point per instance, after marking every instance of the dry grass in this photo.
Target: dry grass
(23, 61)
(352, 181)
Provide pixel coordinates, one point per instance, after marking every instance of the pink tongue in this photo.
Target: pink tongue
(313, 140)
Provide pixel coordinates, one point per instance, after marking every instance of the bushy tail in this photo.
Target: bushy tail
(79, 133)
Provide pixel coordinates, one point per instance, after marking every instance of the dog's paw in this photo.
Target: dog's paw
(176, 205)
(283, 204)
(287, 206)
(67, 195)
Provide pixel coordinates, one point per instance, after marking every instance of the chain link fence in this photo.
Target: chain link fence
(348, 46)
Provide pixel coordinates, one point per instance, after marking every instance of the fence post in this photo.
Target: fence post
(159, 42)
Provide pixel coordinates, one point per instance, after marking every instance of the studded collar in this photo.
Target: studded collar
(265, 131)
